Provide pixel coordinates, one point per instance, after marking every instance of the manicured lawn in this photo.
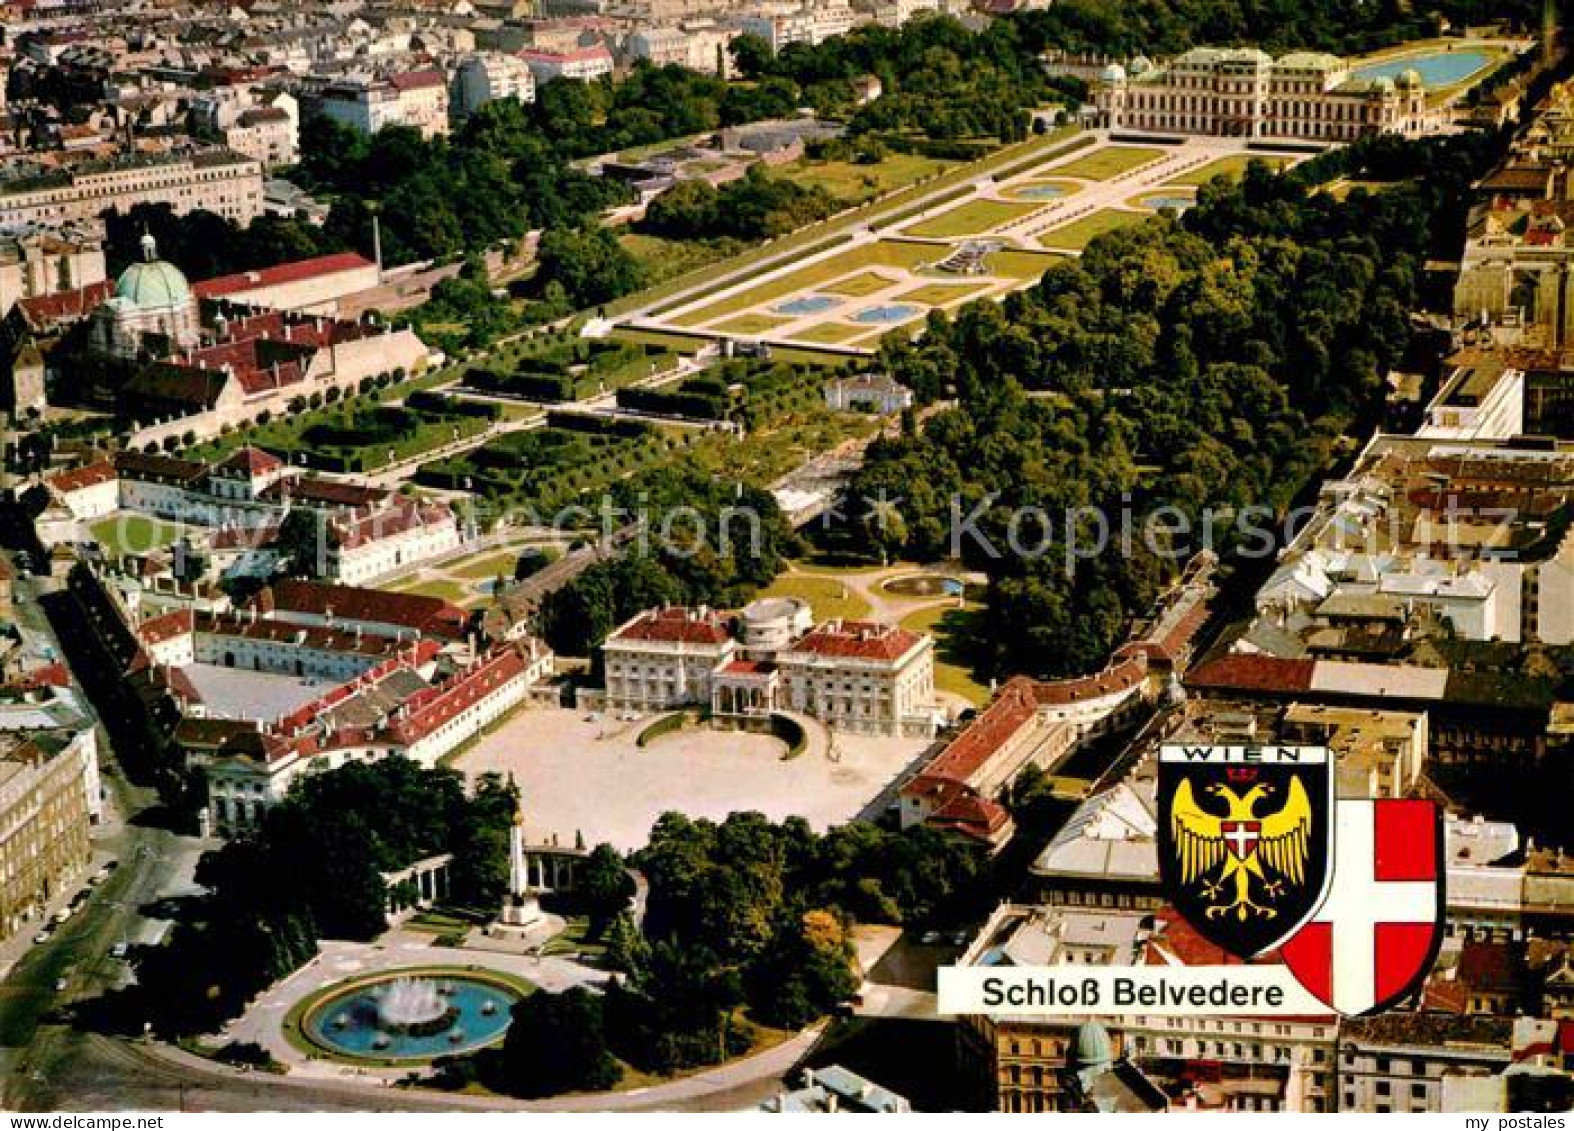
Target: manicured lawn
(134, 534)
(1233, 167)
(856, 183)
(1012, 264)
(883, 253)
(1076, 235)
(949, 626)
(856, 286)
(828, 597)
(677, 343)
(750, 324)
(1110, 161)
(940, 294)
(447, 590)
(828, 333)
(975, 218)
(663, 259)
(487, 567)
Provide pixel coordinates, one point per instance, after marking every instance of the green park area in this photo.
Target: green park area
(940, 294)
(1010, 263)
(1076, 235)
(750, 324)
(563, 367)
(975, 218)
(359, 438)
(828, 333)
(1110, 161)
(829, 597)
(857, 181)
(1232, 166)
(882, 253)
(857, 286)
(662, 260)
(550, 466)
(121, 534)
(951, 627)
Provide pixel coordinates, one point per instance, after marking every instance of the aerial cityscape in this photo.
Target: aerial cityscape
(786, 556)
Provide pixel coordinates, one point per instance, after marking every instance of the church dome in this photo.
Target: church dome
(1091, 1046)
(1113, 73)
(152, 284)
(1410, 77)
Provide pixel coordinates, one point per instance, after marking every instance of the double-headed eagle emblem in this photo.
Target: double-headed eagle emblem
(1232, 853)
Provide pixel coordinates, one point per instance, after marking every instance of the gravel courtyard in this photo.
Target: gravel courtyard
(578, 775)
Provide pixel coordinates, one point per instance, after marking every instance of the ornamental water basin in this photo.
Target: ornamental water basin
(414, 1016)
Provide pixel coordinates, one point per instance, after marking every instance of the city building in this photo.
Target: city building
(1243, 92)
(269, 134)
(49, 794)
(489, 76)
(307, 286)
(1017, 1063)
(38, 260)
(418, 99)
(1399, 1061)
(214, 180)
(832, 1090)
(580, 64)
(860, 677)
(871, 392)
(1429, 535)
(811, 24)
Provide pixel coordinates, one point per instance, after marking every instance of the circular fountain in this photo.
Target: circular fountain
(411, 1016)
(415, 1007)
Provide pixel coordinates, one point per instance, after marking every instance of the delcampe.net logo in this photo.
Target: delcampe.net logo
(1331, 904)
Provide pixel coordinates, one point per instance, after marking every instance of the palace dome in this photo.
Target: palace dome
(153, 284)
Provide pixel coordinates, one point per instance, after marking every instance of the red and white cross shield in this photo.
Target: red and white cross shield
(1241, 837)
(1375, 937)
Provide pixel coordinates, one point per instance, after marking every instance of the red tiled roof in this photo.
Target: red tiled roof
(422, 652)
(167, 626)
(748, 667)
(226, 285)
(579, 54)
(972, 816)
(309, 489)
(1123, 676)
(80, 478)
(252, 461)
(417, 80)
(1245, 672)
(463, 691)
(431, 616)
(858, 640)
(389, 524)
(47, 310)
(997, 724)
(135, 465)
(284, 632)
(676, 626)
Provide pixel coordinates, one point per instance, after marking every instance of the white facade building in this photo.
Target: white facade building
(488, 77)
(1244, 92)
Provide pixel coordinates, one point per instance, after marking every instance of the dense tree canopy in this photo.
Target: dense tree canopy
(1197, 363)
(731, 543)
(315, 868)
(757, 206)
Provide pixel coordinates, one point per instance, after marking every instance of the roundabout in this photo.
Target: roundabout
(408, 1016)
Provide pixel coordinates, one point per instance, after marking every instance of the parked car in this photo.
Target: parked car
(43, 937)
(120, 950)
